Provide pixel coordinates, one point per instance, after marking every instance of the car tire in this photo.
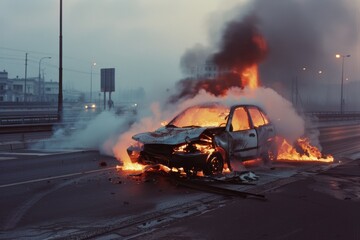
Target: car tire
(214, 165)
(270, 153)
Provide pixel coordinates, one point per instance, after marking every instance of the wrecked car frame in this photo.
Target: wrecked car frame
(208, 138)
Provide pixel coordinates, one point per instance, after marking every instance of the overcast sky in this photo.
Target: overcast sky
(143, 39)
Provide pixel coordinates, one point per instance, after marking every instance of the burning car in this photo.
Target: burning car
(208, 138)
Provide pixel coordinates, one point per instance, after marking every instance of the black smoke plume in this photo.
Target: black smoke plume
(300, 34)
(242, 46)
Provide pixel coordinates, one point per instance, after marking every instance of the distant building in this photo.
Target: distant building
(13, 90)
(5, 87)
(31, 89)
(51, 91)
(207, 70)
(18, 89)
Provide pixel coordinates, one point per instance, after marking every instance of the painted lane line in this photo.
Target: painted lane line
(55, 177)
(40, 154)
(24, 154)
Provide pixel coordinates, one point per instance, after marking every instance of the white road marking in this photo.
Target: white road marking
(40, 153)
(55, 177)
(24, 154)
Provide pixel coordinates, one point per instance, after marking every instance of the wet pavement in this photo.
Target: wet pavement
(321, 206)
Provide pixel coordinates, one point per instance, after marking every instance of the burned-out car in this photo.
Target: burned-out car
(207, 138)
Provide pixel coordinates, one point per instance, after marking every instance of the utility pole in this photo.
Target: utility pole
(26, 59)
(342, 100)
(60, 95)
(41, 82)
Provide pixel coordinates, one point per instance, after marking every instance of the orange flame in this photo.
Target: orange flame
(129, 166)
(249, 77)
(309, 152)
(120, 153)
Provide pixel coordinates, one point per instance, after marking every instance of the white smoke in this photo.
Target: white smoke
(89, 134)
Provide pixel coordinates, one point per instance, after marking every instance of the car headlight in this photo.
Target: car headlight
(86, 106)
(93, 106)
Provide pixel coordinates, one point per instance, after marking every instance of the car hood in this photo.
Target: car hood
(169, 136)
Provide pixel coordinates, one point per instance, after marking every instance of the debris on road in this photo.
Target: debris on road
(214, 184)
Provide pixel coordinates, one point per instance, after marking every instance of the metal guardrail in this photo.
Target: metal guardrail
(16, 120)
(335, 116)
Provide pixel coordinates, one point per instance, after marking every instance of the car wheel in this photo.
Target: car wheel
(271, 152)
(214, 165)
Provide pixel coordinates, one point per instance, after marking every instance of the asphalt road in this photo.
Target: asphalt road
(51, 191)
(324, 206)
(62, 194)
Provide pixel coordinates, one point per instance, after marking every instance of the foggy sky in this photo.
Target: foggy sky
(145, 39)
(142, 39)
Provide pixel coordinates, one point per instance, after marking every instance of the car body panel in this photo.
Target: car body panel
(169, 135)
(243, 144)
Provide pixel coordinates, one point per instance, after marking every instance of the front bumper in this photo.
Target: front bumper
(188, 160)
(195, 160)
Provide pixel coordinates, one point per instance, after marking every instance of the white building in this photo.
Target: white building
(13, 90)
(51, 91)
(207, 70)
(18, 89)
(5, 87)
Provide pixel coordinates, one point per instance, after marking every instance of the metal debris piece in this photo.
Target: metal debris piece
(245, 178)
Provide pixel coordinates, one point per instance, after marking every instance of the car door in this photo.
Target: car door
(260, 122)
(243, 138)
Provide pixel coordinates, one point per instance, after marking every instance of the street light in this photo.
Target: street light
(92, 65)
(342, 80)
(41, 88)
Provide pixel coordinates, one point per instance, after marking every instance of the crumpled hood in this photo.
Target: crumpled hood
(170, 136)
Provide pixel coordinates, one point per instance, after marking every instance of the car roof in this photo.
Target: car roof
(211, 104)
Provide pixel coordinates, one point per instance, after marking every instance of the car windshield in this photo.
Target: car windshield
(202, 116)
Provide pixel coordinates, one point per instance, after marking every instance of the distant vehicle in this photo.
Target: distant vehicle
(206, 137)
(90, 106)
(126, 108)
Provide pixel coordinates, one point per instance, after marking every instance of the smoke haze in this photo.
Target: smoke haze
(302, 39)
(304, 34)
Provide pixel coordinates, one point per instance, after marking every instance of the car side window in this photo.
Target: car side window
(256, 117)
(240, 120)
(266, 119)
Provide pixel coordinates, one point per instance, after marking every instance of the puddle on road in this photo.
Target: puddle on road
(342, 188)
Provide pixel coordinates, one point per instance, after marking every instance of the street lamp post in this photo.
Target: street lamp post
(92, 65)
(342, 80)
(40, 85)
